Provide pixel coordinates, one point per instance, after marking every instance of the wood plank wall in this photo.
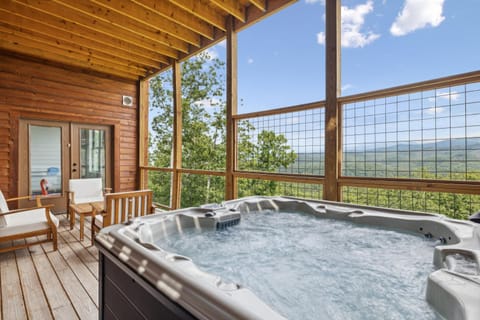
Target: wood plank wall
(35, 90)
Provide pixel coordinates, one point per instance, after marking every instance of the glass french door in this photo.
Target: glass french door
(90, 151)
(51, 153)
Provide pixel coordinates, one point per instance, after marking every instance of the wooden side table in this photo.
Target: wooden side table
(83, 210)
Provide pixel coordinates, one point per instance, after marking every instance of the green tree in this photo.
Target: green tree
(270, 153)
(204, 134)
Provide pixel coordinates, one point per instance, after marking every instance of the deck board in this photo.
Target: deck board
(88, 259)
(35, 302)
(13, 306)
(39, 283)
(81, 272)
(60, 304)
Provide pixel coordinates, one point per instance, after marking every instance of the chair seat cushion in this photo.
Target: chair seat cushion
(88, 199)
(27, 221)
(86, 190)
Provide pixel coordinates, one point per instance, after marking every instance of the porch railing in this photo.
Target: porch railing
(415, 146)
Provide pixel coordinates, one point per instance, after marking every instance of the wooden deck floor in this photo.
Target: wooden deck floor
(39, 283)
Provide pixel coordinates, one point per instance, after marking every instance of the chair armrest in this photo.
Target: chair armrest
(18, 198)
(38, 199)
(48, 216)
(97, 209)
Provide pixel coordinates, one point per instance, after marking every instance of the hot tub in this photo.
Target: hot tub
(143, 276)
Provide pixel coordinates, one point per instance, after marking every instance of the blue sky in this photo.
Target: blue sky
(385, 43)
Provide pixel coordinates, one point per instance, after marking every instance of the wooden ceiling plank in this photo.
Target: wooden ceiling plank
(106, 59)
(115, 18)
(134, 12)
(124, 38)
(260, 4)
(254, 14)
(202, 10)
(87, 57)
(232, 7)
(26, 49)
(176, 15)
(31, 25)
(97, 24)
(33, 14)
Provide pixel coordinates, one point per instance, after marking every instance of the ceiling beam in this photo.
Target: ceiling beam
(63, 35)
(54, 47)
(169, 11)
(233, 7)
(99, 24)
(101, 17)
(260, 4)
(27, 47)
(141, 37)
(202, 10)
(36, 16)
(130, 15)
(254, 14)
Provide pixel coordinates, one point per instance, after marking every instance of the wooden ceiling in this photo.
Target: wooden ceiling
(130, 39)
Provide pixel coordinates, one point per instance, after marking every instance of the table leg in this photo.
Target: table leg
(82, 220)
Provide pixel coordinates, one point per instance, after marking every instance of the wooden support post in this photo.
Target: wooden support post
(332, 81)
(177, 136)
(143, 132)
(232, 100)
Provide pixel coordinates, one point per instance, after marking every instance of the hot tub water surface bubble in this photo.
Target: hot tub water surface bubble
(307, 267)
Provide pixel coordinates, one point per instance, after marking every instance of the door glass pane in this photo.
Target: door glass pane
(45, 160)
(92, 154)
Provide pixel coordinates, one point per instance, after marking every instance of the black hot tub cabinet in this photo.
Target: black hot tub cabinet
(139, 280)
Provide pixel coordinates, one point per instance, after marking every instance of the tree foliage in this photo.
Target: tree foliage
(204, 134)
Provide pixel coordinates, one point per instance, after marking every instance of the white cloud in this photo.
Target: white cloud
(417, 14)
(212, 53)
(352, 23)
(434, 110)
(449, 96)
(347, 86)
(250, 61)
(321, 38)
(315, 1)
(206, 103)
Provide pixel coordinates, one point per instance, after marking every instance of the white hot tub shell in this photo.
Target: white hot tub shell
(140, 279)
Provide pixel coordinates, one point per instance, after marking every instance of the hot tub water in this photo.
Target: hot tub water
(307, 267)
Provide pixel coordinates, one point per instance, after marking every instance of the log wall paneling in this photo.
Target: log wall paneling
(35, 90)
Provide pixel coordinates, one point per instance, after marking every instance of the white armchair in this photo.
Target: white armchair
(25, 223)
(81, 194)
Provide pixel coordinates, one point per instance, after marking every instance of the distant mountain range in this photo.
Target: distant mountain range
(455, 155)
(443, 145)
